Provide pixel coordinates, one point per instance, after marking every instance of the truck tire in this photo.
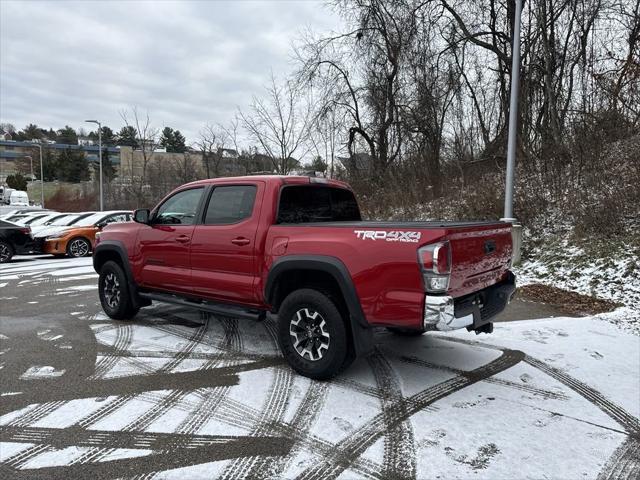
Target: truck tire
(113, 289)
(312, 335)
(405, 332)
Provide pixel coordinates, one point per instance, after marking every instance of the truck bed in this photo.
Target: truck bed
(402, 224)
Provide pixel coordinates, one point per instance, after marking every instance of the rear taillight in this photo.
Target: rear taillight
(435, 264)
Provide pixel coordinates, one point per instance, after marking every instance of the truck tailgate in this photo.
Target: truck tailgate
(481, 256)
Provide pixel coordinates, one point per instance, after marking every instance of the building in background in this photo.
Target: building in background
(12, 151)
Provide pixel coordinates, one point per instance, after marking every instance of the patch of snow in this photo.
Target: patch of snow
(41, 372)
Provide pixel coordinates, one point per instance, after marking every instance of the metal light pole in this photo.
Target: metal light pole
(513, 116)
(39, 147)
(100, 158)
(31, 161)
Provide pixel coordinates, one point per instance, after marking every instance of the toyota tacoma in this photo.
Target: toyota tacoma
(296, 248)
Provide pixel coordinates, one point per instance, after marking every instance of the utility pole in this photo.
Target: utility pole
(100, 158)
(512, 144)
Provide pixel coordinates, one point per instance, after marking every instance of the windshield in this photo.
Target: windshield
(91, 219)
(64, 221)
(44, 220)
(31, 220)
(17, 218)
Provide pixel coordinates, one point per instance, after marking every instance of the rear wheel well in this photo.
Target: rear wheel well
(292, 280)
(320, 280)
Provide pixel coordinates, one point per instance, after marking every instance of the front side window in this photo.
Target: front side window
(230, 204)
(179, 209)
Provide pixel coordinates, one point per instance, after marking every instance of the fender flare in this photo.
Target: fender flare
(361, 330)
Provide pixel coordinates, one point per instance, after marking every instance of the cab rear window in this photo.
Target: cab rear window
(312, 204)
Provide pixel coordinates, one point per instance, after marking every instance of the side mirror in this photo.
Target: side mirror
(141, 215)
(101, 225)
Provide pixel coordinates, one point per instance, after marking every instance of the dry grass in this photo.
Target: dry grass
(571, 303)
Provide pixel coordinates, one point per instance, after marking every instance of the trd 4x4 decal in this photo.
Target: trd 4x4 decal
(393, 236)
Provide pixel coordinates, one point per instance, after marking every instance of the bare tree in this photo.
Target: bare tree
(279, 123)
(325, 136)
(212, 143)
(148, 141)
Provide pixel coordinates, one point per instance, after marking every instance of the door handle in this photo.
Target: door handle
(183, 238)
(241, 241)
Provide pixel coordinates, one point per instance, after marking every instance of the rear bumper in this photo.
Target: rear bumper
(472, 311)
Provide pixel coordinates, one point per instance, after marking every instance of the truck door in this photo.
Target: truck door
(165, 243)
(223, 250)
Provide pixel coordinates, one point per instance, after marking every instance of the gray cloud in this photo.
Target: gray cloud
(187, 63)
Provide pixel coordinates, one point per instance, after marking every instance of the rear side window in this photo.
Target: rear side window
(230, 204)
(309, 204)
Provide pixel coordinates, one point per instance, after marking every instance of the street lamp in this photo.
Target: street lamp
(100, 157)
(513, 116)
(37, 145)
(512, 143)
(31, 161)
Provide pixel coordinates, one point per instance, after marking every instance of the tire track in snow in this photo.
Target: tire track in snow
(625, 458)
(273, 410)
(35, 414)
(124, 334)
(352, 447)
(624, 463)
(22, 457)
(548, 394)
(617, 413)
(111, 407)
(399, 459)
(304, 418)
(160, 408)
(203, 412)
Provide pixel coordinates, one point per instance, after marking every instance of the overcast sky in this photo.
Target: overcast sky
(187, 63)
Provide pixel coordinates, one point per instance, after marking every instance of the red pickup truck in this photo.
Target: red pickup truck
(296, 248)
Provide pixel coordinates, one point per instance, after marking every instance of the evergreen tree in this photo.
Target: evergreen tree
(49, 166)
(128, 136)
(173, 140)
(17, 181)
(108, 137)
(67, 135)
(167, 138)
(72, 166)
(108, 170)
(179, 142)
(30, 132)
(317, 165)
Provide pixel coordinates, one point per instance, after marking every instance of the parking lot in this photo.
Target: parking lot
(178, 393)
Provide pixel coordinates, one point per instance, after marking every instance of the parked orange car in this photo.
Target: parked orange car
(78, 240)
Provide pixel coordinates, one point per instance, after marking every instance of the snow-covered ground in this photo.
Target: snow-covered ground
(181, 394)
(611, 273)
(615, 276)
